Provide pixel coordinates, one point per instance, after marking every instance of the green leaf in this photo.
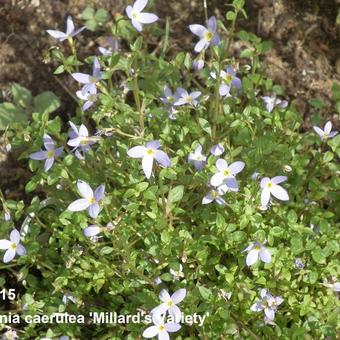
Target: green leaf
(319, 256)
(231, 15)
(205, 125)
(9, 114)
(176, 193)
(21, 95)
(205, 292)
(101, 16)
(88, 13)
(46, 102)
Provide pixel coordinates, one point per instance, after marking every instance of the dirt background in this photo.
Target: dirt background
(305, 59)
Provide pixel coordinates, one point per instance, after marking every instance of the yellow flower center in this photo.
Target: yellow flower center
(50, 153)
(214, 193)
(269, 184)
(208, 36)
(92, 200)
(161, 328)
(227, 173)
(170, 303)
(228, 78)
(134, 15)
(199, 157)
(13, 246)
(150, 152)
(92, 97)
(93, 79)
(257, 247)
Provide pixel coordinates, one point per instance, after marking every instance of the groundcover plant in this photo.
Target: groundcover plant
(182, 186)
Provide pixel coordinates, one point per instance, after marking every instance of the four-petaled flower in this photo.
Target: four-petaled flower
(207, 35)
(229, 80)
(12, 246)
(185, 98)
(326, 132)
(89, 97)
(268, 303)
(49, 154)
(169, 303)
(270, 186)
(90, 199)
(255, 251)
(70, 31)
(226, 173)
(169, 99)
(89, 81)
(138, 18)
(197, 158)
(160, 328)
(271, 102)
(215, 194)
(148, 153)
(79, 138)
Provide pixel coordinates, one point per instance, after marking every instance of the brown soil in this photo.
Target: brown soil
(305, 58)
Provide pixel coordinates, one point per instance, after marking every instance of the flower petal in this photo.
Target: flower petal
(139, 5)
(5, 244)
(99, 192)
(91, 230)
(270, 313)
(212, 24)
(217, 179)
(172, 327)
(278, 179)
(94, 210)
(256, 307)
(79, 205)
(48, 142)
(175, 312)
(82, 78)
(128, 11)
(69, 25)
(21, 251)
(84, 189)
(154, 144)
(265, 197)
(159, 310)
(137, 25)
(207, 198)
(318, 131)
(236, 167)
(48, 163)
(279, 193)
(264, 181)
(136, 152)
(9, 255)
(328, 127)
(252, 257)
(147, 163)
(163, 335)
(162, 158)
(221, 164)
(14, 236)
(57, 34)
(200, 46)
(147, 18)
(38, 156)
(179, 295)
(197, 29)
(224, 89)
(164, 295)
(150, 332)
(265, 255)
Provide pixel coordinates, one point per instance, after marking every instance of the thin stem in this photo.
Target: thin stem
(74, 51)
(161, 189)
(137, 98)
(205, 10)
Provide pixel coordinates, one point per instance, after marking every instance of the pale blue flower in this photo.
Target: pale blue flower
(256, 251)
(89, 81)
(197, 158)
(49, 155)
(228, 80)
(161, 328)
(90, 200)
(148, 153)
(272, 102)
(326, 132)
(169, 303)
(207, 35)
(138, 18)
(89, 97)
(184, 98)
(268, 303)
(70, 31)
(12, 246)
(270, 186)
(215, 194)
(226, 173)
